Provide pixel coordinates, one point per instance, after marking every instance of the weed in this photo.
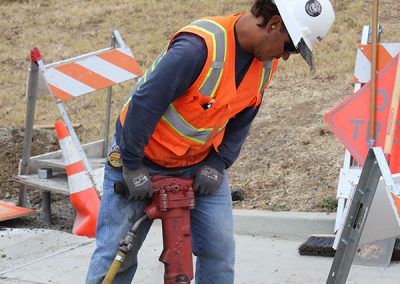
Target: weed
(329, 204)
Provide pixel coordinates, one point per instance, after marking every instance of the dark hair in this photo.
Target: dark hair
(264, 8)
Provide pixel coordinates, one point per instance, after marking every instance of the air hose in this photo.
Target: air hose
(125, 247)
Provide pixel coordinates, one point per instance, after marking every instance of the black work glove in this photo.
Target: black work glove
(207, 180)
(138, 183)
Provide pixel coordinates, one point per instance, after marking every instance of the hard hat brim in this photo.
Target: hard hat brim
(306, 53)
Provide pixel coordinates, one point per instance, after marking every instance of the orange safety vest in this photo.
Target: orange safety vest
(195, 122)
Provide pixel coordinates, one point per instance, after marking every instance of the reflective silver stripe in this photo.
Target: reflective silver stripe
(210, 84)
(220, 37)
(178, 123)
(218, 33)
(266, 73)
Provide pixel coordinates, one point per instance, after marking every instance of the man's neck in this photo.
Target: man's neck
(244, 28)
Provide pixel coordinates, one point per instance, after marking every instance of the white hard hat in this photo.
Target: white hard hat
(307, 22)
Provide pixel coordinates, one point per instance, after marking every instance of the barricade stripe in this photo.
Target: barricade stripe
(59, 93)
(66, 83)
(384, 55)
(122, 60)
(126, 51)
(396, 200)
(362, 73)
(84, 75)
(392, 48)
(75, 168)
(106, 69)
(79, 182)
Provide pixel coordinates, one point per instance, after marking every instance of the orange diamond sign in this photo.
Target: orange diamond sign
(350, 119)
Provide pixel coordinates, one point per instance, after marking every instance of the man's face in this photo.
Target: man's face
(271, 43)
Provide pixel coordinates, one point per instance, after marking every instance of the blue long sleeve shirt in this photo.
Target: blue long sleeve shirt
(173, 75)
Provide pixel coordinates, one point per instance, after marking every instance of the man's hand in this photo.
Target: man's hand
(138, 183)
(207, 180)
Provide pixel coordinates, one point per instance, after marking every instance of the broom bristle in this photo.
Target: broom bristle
(396, 251)
(318, 246)
(322, 245)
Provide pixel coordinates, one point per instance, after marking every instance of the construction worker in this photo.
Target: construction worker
(189, 116)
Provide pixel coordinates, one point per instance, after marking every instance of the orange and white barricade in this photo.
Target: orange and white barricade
(86, 74)
(83, 193)
(68, 79)
(91, 73)
(385, 53)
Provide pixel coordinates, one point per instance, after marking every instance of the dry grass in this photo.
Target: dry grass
(290, 148)
(63, 29)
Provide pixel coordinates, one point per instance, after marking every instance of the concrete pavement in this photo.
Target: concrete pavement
(267, 245)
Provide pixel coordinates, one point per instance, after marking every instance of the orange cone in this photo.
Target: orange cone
(83, 193)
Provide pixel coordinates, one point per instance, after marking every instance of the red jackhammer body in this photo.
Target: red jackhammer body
(172, 200)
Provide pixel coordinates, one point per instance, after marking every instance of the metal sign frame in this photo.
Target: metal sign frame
(375, 166)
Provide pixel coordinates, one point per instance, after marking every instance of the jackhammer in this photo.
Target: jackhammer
(171, 202)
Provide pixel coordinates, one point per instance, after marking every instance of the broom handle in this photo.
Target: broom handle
(373, 73)
(394, 107)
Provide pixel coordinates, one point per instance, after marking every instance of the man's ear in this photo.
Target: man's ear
(275, 23)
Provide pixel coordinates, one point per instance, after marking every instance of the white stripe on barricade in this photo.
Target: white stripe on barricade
(106, 69)
(66, 83)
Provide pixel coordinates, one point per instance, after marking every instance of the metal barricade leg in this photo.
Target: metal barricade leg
(29, 119)
(355, 221)
(356, 218)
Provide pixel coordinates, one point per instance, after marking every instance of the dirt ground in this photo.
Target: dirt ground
(11, 141)
(291, 159)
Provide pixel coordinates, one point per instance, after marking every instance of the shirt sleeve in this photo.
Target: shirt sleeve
(172, 76)
(235, 134)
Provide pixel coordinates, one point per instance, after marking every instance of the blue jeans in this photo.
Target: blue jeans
(212, 232)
